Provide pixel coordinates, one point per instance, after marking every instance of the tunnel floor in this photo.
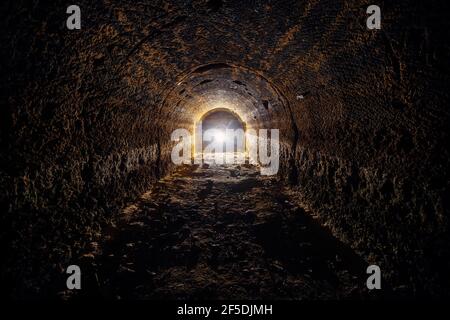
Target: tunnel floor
(210, 232)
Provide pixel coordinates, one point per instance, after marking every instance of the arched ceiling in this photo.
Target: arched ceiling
(221, 85)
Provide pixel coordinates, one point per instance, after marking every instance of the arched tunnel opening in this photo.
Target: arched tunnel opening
(225, 128)
(329, 142)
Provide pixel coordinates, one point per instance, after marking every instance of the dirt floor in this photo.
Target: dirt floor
(220, 232)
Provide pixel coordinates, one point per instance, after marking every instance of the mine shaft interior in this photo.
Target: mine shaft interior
(342, 166)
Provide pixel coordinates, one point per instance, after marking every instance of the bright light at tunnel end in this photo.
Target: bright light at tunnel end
(230, 146)
(220, 136)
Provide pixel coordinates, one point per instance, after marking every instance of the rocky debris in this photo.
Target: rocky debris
(244, 239)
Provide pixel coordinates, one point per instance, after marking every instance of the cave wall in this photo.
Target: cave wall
(372, 155)
(86, 123)
(78, 138)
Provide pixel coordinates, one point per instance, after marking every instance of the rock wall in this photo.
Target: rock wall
(372, 154)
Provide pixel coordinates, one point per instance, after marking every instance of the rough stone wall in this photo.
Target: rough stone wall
(372, 154)
(78, 138)
(84, 127)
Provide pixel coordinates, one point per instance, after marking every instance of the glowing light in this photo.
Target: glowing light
(220, 136)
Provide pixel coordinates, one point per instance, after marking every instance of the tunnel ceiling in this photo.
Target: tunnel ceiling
(319, 57)
(220, 85)
(332, 70)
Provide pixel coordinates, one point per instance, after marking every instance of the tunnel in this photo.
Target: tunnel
(352, 170)
(218, 121)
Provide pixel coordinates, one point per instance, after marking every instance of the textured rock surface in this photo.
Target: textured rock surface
(219, 232)
(87, 116)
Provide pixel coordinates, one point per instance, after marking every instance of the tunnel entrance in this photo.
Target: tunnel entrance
(220, 131)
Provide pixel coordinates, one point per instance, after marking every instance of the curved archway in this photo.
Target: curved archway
(223, 127)
(245, 91)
